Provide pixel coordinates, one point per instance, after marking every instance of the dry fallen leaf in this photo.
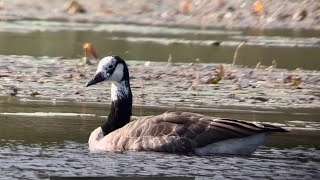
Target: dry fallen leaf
(35, 93)
(303, 15)
(185, 7)
(74, 7)
(258, 7)
(2, 6)
(293, 80)
(145, 9)
(88, 49)
(220, 75)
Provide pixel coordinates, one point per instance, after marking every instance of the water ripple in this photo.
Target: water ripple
(39, 161)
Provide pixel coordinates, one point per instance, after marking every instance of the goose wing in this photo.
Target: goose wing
(184, 131)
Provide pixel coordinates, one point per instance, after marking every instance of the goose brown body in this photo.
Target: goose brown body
(178, 132)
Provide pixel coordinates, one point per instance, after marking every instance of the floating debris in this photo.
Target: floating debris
(162, 85)
(2, 5)
(74, 7)
(35, 93)
(258, 8)
(13, 91)
(300, 15)
(88, 49)
(220, 75)
(185, 7)
(262, 99)
(293, 80)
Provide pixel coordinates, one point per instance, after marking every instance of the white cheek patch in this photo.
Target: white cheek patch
(117, 74)
(104, 64)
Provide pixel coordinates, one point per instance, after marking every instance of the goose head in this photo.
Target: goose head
(114, 69)
(110, 68)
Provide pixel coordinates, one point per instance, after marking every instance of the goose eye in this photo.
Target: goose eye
(110, 66)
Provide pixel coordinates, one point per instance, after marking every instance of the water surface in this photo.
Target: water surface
(42, 138)
(39, 139)
(289, 48)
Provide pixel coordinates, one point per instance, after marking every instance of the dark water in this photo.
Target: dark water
(289, 48)
(39, 139)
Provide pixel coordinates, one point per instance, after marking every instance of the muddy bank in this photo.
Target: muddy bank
(162, 84)
(201, 13)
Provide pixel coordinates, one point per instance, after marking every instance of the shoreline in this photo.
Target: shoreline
(199, 14)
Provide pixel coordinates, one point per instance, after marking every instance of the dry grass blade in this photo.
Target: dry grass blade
(195, 82)
(257, 66)
(235, 56)
(273, 66)
(169, 59)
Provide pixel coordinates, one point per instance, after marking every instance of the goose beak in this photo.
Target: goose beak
(95, 79)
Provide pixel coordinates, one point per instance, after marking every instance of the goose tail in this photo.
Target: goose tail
(273, 128)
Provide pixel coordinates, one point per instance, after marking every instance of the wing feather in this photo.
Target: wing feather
(182, 132)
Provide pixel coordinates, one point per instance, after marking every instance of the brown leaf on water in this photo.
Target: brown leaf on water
(145, 9)
(262, 99)
(4, 75)
(221, 3)
(13, 91)
(78, 91)
(296, 83)
(88, 49)
(293, 80)
(220, 71)
(185, 7)
(35, 93)
(214, 80)
(288, 79)
(258, 7)
(107, 11)
(220, 75)
(2, 6)
(74, 7)
(303, 15)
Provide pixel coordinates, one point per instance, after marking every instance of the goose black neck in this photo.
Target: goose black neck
(121, 109)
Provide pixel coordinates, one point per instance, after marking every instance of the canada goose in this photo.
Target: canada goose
(177, 132)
